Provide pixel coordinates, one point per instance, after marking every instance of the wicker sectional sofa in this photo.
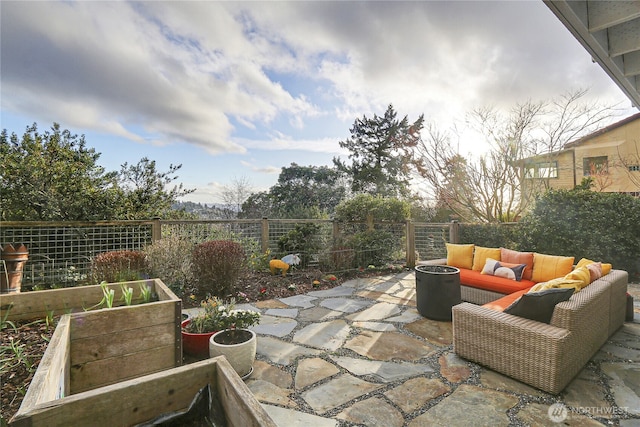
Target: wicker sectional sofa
(545, 356)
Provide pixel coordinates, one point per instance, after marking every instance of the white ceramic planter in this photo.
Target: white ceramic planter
(240, 356)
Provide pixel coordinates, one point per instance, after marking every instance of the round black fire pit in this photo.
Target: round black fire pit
(437, 290)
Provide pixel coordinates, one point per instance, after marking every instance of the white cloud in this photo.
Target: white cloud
(232, 77)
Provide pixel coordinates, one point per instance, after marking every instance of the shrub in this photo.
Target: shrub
(304, 239)
(217, 265)
(489, 235)
(169, 259)
(118, 266)
(373, 247)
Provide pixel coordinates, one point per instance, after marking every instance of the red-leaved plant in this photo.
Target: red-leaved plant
(118, 266)
(217, 265)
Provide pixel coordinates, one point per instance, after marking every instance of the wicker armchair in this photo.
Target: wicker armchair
(546, 356)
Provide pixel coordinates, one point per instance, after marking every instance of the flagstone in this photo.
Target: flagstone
(316, 314)
(537, 414)
(453, 368)
(338, 291)
(303, 301)
(439, 333)
(388, 345)
(413, 394)
(274, 375)
(382, 371)
(326, 335)
(408, 316)
(345, 305)
(271, 303)
(337, 392)
(378, 311)
(372, 412)
(291, 418)
(625, 385)
(282, 352)
(492, 379)
(282, 312)
(266, 392)
(485, 407)
(375, 326)
(276, 326)
(310, 371)
(586, 390)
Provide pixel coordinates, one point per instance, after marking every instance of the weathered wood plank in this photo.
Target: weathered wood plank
(51, 380)
(98, 373)
(102, 322)
(237, 395)
(38, 304)
(141, 399)
(120, 343)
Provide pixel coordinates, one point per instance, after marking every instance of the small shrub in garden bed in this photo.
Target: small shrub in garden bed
(217, 266)
(118, 266)
(170, 260)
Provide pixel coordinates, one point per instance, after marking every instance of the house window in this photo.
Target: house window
(595, 166)
(541, 170)
(634, 168)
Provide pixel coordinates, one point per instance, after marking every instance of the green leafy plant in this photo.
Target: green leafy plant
(107, 295)
(4, 323)
(127, 294)
(217, 265)
(584, 224)
(218, 315)
(145, 292)
(304, 239)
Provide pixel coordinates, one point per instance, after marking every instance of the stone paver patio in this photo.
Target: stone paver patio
(361, 354)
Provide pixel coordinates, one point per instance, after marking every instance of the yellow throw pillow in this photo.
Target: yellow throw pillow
(548, 267)
(481, 254)
(460, 256)
(606, 268)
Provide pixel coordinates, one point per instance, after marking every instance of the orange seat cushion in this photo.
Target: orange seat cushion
(492, 283)
(504, 302)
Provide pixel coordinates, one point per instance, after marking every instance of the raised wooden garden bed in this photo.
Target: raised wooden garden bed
(139, 400)
(91, 349)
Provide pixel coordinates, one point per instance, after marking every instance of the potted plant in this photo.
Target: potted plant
(237, 343)
(196, 330)
(216, 315)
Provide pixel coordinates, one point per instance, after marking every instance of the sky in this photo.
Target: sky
(234, 91)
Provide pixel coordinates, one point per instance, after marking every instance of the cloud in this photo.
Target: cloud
(271, 170)
(222, 75)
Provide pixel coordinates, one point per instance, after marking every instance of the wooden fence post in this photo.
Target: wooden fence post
(156, 230)
(335, 231)
(411, 244)
(265, 235)
(454, 232)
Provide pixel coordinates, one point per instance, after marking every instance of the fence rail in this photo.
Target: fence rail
(60, 253)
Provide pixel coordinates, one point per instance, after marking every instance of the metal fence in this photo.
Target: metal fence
(60, 253)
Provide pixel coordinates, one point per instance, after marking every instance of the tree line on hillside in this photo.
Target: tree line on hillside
(55, 176)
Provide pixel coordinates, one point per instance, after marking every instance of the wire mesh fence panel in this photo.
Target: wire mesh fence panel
(248, 232)
(430, 240)
(60, 254)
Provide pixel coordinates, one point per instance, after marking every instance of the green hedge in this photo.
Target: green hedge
(584, 224)
(599, 226)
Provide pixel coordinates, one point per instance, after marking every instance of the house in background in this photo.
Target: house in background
(609, 156)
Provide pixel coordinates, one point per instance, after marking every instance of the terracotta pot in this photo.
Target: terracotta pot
(14, 260)
(196, 345)
(240, 355)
